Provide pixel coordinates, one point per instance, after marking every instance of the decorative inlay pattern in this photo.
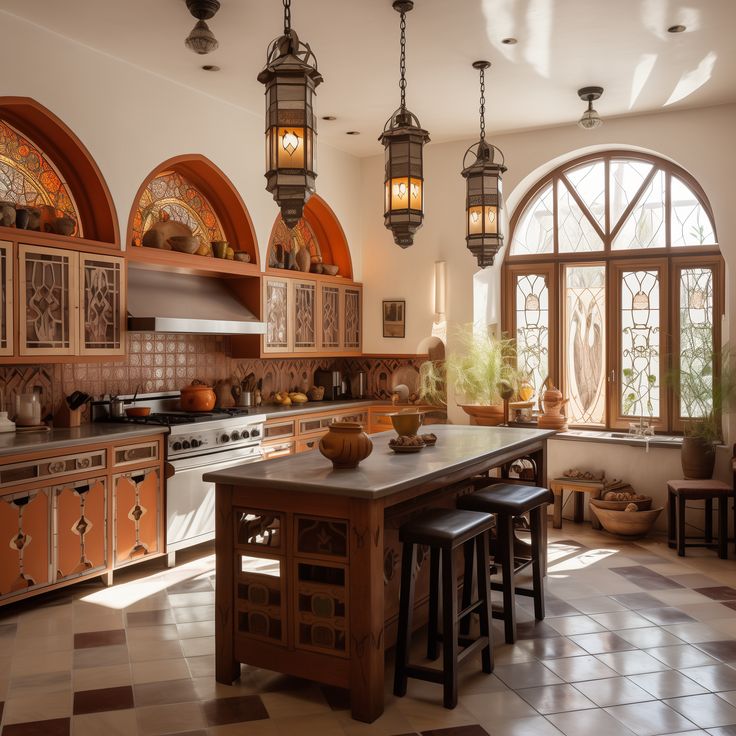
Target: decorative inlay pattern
(277, 326)
(330, 316)
(47, 297)
(305, 332)
(352, 318)
(102, 300)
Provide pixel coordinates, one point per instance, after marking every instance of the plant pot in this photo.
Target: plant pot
(698, 457)
(484, 416)
(346, 444)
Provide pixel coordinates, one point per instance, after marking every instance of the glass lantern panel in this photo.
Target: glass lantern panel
(417, 194)
(475, 220)
(291, 148)
(490, 220)
(400, 193)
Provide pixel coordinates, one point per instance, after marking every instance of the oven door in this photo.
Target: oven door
(190, 502)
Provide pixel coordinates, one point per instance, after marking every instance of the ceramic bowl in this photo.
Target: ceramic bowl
(329, 269)
(626, 523)
(184, 243)
(406, 422)
(242, 256)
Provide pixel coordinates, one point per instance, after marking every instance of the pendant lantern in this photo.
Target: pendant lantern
(484, 197)
(403, 139)
(290, 77)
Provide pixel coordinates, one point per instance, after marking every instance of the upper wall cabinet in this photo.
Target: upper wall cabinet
(6, 297)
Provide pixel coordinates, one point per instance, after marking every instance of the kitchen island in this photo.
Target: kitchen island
(307, 556)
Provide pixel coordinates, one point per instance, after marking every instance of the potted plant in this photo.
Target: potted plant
(482, 369)
(433, 382)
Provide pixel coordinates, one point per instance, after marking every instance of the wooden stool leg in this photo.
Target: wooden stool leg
(484, 594)
(406, 603)
(468, 548)
(723, 527)
(537, 520)
(680, 526)
(557, 510)
(671, 518)
(734, 517)
(505, 526)
(449, 628)
(709, 521)
(579, 506)
(434, 601)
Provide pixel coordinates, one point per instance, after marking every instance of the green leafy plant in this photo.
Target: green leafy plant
(482, 366)
(433, 382)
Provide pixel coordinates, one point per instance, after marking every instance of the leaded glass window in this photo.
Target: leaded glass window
(638, 286)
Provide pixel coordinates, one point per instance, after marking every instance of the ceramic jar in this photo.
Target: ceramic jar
(553, 404)
(197, 397)
(346, 444)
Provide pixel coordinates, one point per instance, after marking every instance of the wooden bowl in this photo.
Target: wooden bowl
(184, 243)
(626, 523)
(138, 411)
(644, 504)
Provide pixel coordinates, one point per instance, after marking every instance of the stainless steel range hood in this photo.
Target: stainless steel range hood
(161, 301)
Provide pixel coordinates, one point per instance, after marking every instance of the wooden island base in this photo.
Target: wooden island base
(308, 558)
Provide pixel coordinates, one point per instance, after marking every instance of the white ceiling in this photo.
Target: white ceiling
(621, 45)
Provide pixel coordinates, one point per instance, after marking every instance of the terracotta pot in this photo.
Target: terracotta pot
(698, 458)
(22, 215)
(484, 416)
(346, 444)
(197, 397)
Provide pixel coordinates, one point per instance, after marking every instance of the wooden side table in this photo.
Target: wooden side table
(578, 488)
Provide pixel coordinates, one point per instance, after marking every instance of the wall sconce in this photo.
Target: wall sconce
(440, 290)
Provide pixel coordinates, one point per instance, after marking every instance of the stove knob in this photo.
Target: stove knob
(255, 433)
(176, 446)
(185, 445)
(235, 436)
(195, 443)
(225, 438)
(245, 434)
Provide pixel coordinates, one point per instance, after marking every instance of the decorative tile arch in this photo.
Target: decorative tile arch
(193, 190)
(42, 162)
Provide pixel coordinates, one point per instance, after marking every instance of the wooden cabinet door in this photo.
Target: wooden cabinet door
(80, 530)
(137, 506)
(304, 317)
(103, 318)
(24, 541)
(352, 315)
(48, 300)
(276, 308)
(330, 337)
(7, 343)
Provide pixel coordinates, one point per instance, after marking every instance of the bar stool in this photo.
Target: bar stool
(443, 531)
(679, 492)
(507, 501)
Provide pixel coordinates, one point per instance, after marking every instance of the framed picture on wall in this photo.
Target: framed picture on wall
(394, 318)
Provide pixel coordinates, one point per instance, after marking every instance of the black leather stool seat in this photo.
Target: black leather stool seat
(445, 527)
(506, 498)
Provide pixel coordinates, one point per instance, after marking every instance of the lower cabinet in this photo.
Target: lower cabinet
(137, 508)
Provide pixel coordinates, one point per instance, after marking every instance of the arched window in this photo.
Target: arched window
(614, 282)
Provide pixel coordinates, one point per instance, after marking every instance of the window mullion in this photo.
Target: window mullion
(634, 201)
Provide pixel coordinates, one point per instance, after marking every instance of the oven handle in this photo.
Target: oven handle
(207, 461)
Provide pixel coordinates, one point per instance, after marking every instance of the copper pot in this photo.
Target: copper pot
(197, 397)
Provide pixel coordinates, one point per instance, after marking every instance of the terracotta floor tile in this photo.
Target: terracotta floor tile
(666, 615)
(550, 648)
(683, 655)
(587, 722)
(526, 674)
(89, 678)
(160, 670)
(613, 691)
(667, 684)
(723, 650)
(95, 701)
(163, 693)
(457, 731)
(718, 592)
(195, 585)
(160, 719)
(649, 637)
(149, 618)
(646, 578)
(52, 727)
(234, 710)
(714, 677)
(569, 625)
(100, 656)
(187, 614)
(578, 669)
(638, 601)
(632, 663)
(99, 639)
(605, 641)
(618, 620)
(599, 604)
(33, 707)
(705, 711)
(555, 698)
(648, 719)
(47, 682)
(107, 723)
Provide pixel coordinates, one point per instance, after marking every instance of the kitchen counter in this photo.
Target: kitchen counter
(274, 410)
(384, 472)
(18, 443)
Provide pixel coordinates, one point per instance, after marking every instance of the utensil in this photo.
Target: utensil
(117, 407)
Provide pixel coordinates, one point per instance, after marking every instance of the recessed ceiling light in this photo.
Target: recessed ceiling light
(676, 29)
(211, 68)
(329, 117)
(509, 41)
(352, 132)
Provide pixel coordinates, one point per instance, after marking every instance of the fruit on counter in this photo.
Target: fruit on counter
(282, 398)
(316, 393)
(407, 440)
(297, 397)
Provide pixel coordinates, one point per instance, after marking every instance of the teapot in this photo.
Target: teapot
(553, 405)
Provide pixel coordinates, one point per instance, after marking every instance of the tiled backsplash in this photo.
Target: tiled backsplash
(166, 362)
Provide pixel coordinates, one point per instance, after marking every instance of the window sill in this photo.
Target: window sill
(673, 442)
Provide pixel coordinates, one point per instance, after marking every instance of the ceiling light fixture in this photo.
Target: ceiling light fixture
(677, 29)
(201, 40)
(290, 77)
(590, 119)
(329, 117)
(352, 132)
(484, 197)
(510, 41)
(403, 139)
(211, 68)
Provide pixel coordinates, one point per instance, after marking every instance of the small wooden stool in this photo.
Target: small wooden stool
(578, 488)
(443, 531)
(681, 491)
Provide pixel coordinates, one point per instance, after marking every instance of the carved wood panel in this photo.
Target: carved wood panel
(276, 310)
(351, 319)
(6, 298)
(103, 317)
(330, 317)
(305, 315)
(137, 506)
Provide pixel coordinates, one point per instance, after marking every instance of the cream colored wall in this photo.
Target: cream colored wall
(700, 140)
(131, 120)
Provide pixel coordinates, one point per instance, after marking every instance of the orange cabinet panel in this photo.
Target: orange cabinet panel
(137, 506)
(24, 541)
(80, 528)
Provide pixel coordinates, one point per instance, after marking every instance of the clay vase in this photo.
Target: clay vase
(698, 458)
(303, 260)
(7, 214)
(34, 218)
(22, 215)
(64, 225)
(553, 404)
(346, 444)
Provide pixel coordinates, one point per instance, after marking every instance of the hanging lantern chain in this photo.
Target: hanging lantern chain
(482, 104)
(287, 17)
(402, 60)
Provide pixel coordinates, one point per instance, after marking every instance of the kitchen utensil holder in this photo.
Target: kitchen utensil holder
(66, 417)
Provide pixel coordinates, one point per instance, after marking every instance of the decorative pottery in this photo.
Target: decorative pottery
(7, 214)
(698, 458)
(316, 393)
(642, 504)
(345, 444)
(64, 225)
(160, 232)
(316, 268)
(224, 394)
(197, 397)
(303, 260)
(22, 215)
(242, 256)
(330, 269)
(626, 523)
(219, 248)
(184, 243)
(484, 416)
(47, 218)
(406, 422)
(34, 218)
(553, 405)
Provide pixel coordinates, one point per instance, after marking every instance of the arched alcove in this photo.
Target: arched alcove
(320, 232)
(55, 168)
(192, 189)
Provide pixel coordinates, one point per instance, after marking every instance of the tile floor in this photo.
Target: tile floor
(636, 641)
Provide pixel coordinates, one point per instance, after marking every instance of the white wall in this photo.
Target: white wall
(131, 120)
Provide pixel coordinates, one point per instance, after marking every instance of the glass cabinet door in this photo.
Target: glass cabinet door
(103, 311)
(305, 316)
(351, 319)
(330, 337)
(276, 309)
(48, 300)
(6, 298)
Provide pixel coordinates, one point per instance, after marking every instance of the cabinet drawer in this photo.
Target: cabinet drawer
(315, 424)
(309, 443)
(360, 417)
(279, 429)
(130, 454)
(273, 450)
(47, 469)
